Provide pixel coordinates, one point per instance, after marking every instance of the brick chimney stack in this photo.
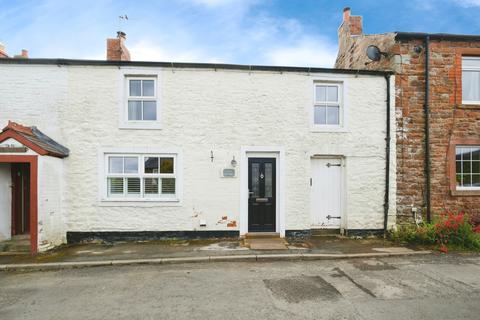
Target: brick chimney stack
(352, 25)
(350, 28)
(116, 49)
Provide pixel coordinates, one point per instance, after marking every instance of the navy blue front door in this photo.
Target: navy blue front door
(261, 199)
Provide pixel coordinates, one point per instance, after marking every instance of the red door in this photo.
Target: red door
(20, 198)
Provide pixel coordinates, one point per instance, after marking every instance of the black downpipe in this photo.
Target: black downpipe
(427, 127)
(386, 205)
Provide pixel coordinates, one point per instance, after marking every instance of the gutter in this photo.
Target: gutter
(427, 127)
(185, 65)
(386, 204)
(407, 36)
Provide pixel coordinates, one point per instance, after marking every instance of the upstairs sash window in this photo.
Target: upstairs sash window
(471, 80)
(327, 108)
(142, 99)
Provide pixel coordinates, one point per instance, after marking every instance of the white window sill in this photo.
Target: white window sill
(108, 202)
(468, 188)
(470, 105)
(328, 129)
(147, 125)
(468, 192)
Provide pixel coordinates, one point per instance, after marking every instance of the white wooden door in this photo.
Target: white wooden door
(326, 193)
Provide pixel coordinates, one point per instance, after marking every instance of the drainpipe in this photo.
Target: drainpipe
(427, 128)
(386, 205)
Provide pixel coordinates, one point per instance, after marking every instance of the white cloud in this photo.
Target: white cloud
(312, 52)
(234, 36)
(145, 50)
(468, 3)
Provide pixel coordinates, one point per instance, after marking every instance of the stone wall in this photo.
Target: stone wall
(449, 120)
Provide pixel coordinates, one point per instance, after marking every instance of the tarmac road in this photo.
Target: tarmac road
(416, 287)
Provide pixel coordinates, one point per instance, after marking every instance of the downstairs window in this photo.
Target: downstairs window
(467, 161)
(141, 176)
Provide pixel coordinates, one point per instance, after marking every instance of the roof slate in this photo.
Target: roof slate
(39, 139)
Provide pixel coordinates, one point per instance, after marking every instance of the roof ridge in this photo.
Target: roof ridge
(18, 127)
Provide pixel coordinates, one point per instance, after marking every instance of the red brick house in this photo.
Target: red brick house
(437, 112)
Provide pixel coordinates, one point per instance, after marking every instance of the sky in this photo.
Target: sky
(259, 32)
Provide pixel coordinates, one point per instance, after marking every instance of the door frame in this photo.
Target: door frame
(33, 210)
(263, 152)
(343, 184)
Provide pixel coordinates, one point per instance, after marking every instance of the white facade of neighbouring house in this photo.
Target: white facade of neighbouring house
(196, 148)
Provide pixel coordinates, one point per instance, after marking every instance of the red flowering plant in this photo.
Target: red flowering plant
(477, 229)
(456, 230)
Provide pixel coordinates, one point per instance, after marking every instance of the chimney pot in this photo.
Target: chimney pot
(346, 14)
(24, 53)
(121, 35)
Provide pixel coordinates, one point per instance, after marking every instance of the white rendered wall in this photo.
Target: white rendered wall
(202, 111)
(5, 202)
(51, 220)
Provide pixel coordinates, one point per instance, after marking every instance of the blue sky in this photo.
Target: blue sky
(271, 32)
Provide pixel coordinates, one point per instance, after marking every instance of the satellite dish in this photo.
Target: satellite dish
(374, 53)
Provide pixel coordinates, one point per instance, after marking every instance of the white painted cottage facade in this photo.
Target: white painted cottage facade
(160, 149)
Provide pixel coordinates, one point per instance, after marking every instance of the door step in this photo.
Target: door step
(325, 232)
(266, 244)
(21, 237)
(17, 244)
(262, 235)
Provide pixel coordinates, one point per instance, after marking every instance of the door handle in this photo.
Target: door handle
(333, 165)
(331, 217)
(261, 200)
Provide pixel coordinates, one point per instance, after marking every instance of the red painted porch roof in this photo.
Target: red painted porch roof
(34, 139)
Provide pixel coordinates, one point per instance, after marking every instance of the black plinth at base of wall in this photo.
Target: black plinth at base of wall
(116, 236)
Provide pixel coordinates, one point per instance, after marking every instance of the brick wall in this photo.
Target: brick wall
(450, 122)
(116, 49)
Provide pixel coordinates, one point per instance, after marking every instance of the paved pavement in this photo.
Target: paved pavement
(416, 287)
(195, 248)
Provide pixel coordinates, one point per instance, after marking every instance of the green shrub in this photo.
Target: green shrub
(424, 234)
(448, 230)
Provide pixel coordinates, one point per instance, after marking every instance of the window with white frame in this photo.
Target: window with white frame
(327, 109)
(467, 160)
(471, 80)
(141, 176)
(142, 99)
